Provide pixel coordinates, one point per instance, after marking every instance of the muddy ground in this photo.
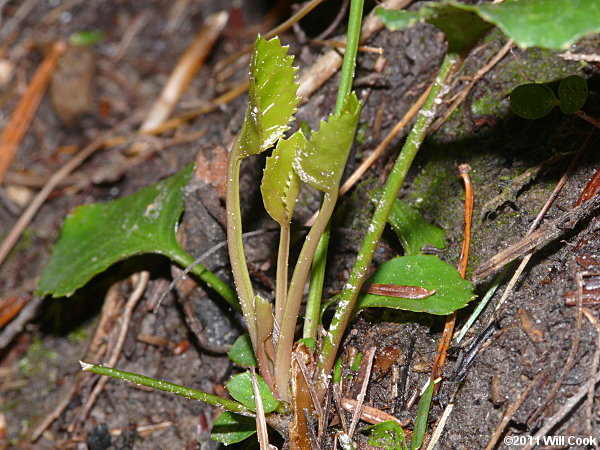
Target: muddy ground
(533, 333)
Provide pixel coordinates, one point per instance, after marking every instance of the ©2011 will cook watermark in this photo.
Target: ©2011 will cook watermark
(560, 441)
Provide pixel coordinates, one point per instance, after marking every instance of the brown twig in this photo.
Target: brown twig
(590, 190)
(538, 239)
(141, 281)
(221, 100)
(330, 62)
(370, 414)
(309, 383)
(17, 324)
(464, 170)
(337, 44)
(551, 422)
(594, 57)
(261, 423)
(478, 75)
(589, 403)
(363, 390)
(545, 234)
(307, 8)
(511, 191)
(587, 118)
(568, 365)
(440, 357)
(13, 133)
(97, 348)
(13, 236)
(510, 412)
(188, 65)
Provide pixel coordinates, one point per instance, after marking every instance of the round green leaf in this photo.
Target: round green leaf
(230, 428)
(452, 292)
(240, 388)
(532, 100)
(572, 93)
(387, 435)
(241, 352)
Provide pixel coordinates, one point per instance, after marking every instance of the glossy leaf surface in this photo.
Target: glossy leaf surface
(231, 428)
(572, 93)
(240, 388)
(280, 185)
(427, 271)
(272, 98)
(462, 27)
(387, 435)
(532, 100)
(411, 227)
(554, 24)
(321, 163)
(241, 352)
(98, 235)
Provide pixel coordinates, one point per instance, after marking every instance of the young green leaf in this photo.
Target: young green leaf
(411, 227)
(280, 184)
(554, 24)
(532, 100)
(241, 352)
(572, 93)
(272, 103)
(321, 163)
(463, 28)
(387, 435)
(272, 98)
(418, 434)
(427, 271)
(240, 388)
(230, 428)
(98, 235)
(309, 342)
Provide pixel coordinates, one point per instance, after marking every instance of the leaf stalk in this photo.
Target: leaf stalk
(369, 244)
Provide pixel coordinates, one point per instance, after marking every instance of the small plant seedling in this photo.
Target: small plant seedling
(317, 161)
(148, 218)
(534, 100)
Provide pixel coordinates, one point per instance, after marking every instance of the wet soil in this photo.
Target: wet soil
(533, 333)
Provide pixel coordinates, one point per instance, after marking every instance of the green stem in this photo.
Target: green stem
(349, 63)
(283, 359)
(214, 282)
(235, 243)
(213, 400)
(369, 244)
(282, 272)
(317, 278)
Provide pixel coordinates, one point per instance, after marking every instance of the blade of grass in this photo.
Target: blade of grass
(418, 434)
